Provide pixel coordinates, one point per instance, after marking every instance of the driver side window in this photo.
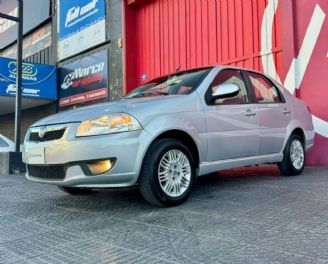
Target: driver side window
(230, 76)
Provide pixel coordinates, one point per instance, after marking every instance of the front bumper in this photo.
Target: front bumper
(127, 148)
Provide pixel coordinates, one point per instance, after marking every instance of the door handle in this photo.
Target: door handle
(286, 111)
(249, 112)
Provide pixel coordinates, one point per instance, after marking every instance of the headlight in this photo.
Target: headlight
(107, 124)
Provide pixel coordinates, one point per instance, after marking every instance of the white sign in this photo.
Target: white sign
(81, 25)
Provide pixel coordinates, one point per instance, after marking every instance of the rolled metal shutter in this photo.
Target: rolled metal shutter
(29, 116)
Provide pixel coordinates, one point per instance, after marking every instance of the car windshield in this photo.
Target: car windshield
(181, 83)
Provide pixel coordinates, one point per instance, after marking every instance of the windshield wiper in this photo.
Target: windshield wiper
(154, 92)
(146, 93)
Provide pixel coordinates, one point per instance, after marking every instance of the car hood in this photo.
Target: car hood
(138, 107)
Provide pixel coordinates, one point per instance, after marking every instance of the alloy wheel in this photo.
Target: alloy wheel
(174, 173)
(297, 154)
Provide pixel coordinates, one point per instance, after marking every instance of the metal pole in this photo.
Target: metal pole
(18, 106)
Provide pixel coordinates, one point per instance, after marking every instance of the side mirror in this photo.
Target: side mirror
(225, 91)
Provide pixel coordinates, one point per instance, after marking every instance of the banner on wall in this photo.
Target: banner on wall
(84, 81)
(39, 80)
(306, 65)
(35, 12)
(81, 25)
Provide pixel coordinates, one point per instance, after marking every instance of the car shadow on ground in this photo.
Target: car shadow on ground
(212, 188)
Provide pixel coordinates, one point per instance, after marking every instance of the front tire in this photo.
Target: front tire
(167, 174)
(294, 156)
(75, 190)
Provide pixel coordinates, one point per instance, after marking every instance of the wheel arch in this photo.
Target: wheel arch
(184, 138)
(296, 129)
(299, 131)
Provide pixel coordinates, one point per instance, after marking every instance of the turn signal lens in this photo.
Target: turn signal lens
(120, 120)
(99, 167)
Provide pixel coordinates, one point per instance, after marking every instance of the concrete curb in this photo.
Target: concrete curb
(4, 164)
(11, 163)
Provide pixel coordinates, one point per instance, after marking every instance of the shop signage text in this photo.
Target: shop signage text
(80, 22)
(39, 80)
(84, 81)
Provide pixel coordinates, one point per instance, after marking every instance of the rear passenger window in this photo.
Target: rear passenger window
(264, 89)
(226, 77)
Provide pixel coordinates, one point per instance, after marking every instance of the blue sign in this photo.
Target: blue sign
(38, 80)
(82, 22)
(78, 14)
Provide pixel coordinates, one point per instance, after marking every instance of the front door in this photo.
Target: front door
(232, 123)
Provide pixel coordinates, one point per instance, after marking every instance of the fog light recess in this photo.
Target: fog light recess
(100, 166)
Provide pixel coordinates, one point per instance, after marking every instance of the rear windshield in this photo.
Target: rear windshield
(180, 83)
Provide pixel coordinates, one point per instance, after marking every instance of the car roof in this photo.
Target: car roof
(249, 70)
(239, 68)
(217, 66)
(179, 72)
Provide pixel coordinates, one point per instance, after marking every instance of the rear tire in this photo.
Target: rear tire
(294, 156)
(75, 190)
(167, 174)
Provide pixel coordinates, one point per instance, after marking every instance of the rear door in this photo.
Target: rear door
(232, 123)
(274, 113)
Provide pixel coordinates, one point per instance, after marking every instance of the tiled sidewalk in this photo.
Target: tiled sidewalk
(250, 215)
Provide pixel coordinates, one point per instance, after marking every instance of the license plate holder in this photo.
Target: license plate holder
(36, 156)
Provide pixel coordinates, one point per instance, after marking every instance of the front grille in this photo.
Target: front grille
(49, 172)
(48, 136)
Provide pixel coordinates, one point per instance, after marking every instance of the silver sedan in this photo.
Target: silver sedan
(164, 134)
